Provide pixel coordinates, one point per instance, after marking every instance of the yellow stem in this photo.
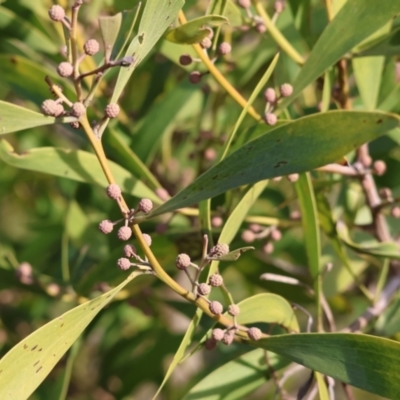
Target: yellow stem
(277, 35)
(160, 272)
(218, 76)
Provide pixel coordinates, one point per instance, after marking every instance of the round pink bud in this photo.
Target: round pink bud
(206, 43)
(24, 273)
(219, 250)
(224, 48)
(124, 233)
(293, 177)
(279, 6)
(111, 110)
(255, 228)
(56, 13)
(204, 289)
(244, 3)
(379, 167)
(233, 310)
(277, 178)
(210, 154)
(145, 205)
(49, 107)
(91, 47)
(254, 333)
(216, 221)
(129, 250)
(395, 212)
(270, 118)
(78, 109)
(216, 307)
(113, 191)
(218, 334)
(210, 344)
(276, 235)
(59, 110)
(185, 59)
(248, 236)
(295, 214)
(65, 69)
(182, 261)
(261, 28)
(124, 263)
(216, 280)
(106, 226)
(270, 95)
(162, 194)
(286, 89)
(147, 239)
(268, 248)
(195, 77)
(228, 338)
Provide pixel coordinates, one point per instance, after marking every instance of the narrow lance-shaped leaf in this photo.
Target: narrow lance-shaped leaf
(302, 145)
(73, 164)
(28, 363)
(367, 362)
(356, 21)
(15, 118)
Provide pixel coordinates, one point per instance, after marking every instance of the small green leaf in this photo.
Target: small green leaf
(109, 29)
(377, 249)
(302, 145)
(233, 255)
(194, 31)
(15, 118)
(73, 164)
(237, 378)
(367, 362)
(364, 17)
(268, 308)
(28, 363)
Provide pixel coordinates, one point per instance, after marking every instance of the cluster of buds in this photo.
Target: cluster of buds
(125, 232)
(257, 232)
(256, 20)
(223, 49)
(272, 99)
(70, 68)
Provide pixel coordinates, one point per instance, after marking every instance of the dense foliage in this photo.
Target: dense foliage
(256, 146)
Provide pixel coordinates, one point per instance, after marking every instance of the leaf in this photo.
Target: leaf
(297, 146)
(364, 17)
(238, 378)
(109, 29)
(157, 16)
(377, 249)
(28, 363)
(234, 255)
(15, 118)
(309, 212)
(367, 362)
(387, 45)
(73, 164)
(268, 308)
(194, 31)
(116, 30)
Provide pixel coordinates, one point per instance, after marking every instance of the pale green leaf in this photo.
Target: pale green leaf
(28, 363)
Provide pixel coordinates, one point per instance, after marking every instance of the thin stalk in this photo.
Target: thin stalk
(214, 71)
(277, 35)
(74, 51)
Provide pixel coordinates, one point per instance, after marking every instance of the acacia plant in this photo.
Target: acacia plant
(221, 177)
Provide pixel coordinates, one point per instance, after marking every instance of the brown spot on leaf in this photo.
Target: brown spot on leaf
(37, 362)
(280, 163)
(38, 369)
(33, 348)
(214, 177)
(25, 346)
(379, 121)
